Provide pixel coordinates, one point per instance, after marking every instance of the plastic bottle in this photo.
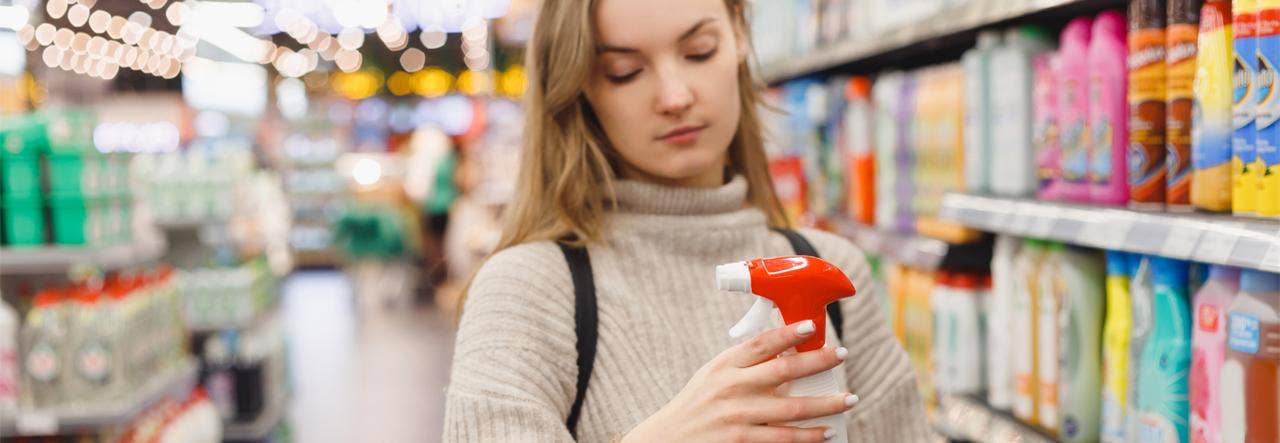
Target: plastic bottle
(91, 341)
(978, 124)
(1244, 109)
(1147, 95)
(1025, 331)
(966, 345)
(1049, 304)
(1109, 110)
(8, 359)
(858, 121)
(1208, 351)
(1083, 281)
(1013, 171)
(1000, 352)
(1115, 348)
(1211, 135)
(1248, 389)
(1141, 294)
(944, 332)
(44, 350)
(1073, 109)
(887, 94)
(1166, 358)
(1180, 52)
(800, 288)
(1266, 166)
(1047, 131)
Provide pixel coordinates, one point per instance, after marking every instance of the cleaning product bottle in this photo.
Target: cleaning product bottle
(1141, 294)
(1115, 348)
(1166, 358)
(1004, 290)
(1025, 332)
(1208, 350)
(1048, 331)
(944, 333)
(1244, 109)
(1013, 129)
(1147, 87)
(1248, 389)
(978, 124)
(1073, 108)
(858, 121)
(801, 288)
(1266, 165)
(886, 92)
(1083, 282)
(967, 350)
(8, 359)
(1047, 131)
(1212, 125)
(1180, 62)
(44, 351)
(1109, 110)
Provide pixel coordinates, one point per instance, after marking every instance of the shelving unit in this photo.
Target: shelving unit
(955, 25)
(1217, 239)
(911, 250)
(57, 259)
(970, 418)
(177, 383)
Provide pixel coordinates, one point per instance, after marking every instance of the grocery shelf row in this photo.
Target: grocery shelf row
(177, 383)
(968, 418)
(960, 20)
(58, 259)
(1215, 239)
(908, 249)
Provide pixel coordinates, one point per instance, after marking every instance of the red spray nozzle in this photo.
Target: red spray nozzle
(800, 287)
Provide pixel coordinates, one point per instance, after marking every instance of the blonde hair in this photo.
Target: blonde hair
(567, 167)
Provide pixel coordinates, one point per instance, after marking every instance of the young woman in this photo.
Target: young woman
(644, 145)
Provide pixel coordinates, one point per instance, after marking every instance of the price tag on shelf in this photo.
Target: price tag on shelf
(1000, 221)
(1271, 262)
(1148, 237)
(37, 424)
(1215, 247)
(1044, 221)
(1106, 234)
(1180, 242)
(1020, 223)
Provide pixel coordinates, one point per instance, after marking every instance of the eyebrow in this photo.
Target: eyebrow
(683, 36)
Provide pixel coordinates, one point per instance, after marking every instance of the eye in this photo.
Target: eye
(703, 56)
(622, 79)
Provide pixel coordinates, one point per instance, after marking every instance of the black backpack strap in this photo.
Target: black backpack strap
(585, 325)
(802, 247)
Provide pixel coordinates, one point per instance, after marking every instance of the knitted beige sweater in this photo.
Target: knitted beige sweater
(661, 319)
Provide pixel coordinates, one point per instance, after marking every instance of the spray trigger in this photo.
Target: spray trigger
(756, 320)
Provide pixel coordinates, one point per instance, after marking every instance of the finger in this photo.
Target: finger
(768, 344)
(774, 434)
(793, 409)
(793, 367)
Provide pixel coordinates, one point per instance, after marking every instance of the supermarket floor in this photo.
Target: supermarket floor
(362, 374)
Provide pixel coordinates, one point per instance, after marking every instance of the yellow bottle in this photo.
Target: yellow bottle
(1211, 139)
(1115, 348)
(1244, 187)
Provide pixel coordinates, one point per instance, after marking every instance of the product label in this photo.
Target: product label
(1075, 150)
(93, 362)
(1153, 428)
(8, 375)
(42, 363)
(1207, 318)
(1243, 333)
(1181, 62)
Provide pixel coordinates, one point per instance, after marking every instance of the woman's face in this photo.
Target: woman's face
(665, 87)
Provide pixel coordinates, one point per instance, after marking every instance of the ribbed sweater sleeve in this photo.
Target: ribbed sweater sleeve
(877, 369)
(513, 363)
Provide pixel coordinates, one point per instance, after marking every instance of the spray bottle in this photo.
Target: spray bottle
(800, 287)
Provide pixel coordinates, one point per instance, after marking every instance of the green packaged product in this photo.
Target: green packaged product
(23, 220)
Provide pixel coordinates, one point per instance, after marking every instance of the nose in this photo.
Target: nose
(674, 93)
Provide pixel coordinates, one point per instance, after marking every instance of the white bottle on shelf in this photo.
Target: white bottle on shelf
(1012, 156)
(978, 128)
(8, 359)
(1004, 288)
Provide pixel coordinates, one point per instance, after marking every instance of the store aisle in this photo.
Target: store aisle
(377, 375)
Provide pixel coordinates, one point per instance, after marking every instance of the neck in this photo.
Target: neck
(711, 179)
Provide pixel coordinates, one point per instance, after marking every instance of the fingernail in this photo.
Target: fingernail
(829, 433)
(842, 352)
(806, 327)
(851, 400)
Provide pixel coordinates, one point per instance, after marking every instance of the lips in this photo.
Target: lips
(683, 135)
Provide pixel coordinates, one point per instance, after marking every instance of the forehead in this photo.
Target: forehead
(640, 23)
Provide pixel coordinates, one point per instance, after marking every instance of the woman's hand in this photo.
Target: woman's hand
(734, 397)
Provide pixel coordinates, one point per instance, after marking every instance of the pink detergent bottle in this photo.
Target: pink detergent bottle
(800, 287)
(1047, 129)
(1109, 110)
(1073, 110)
(1209, 350)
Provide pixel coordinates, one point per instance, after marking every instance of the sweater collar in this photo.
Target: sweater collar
(637, 197)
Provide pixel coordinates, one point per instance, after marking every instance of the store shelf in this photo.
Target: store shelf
(1217, 239)
(911, 250)
(261, 428)
(971, 419)
(254, 321)
(958, 22)
(176, 384)
(57, 259)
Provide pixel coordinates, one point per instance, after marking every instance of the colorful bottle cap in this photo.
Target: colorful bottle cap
(1169, 272)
